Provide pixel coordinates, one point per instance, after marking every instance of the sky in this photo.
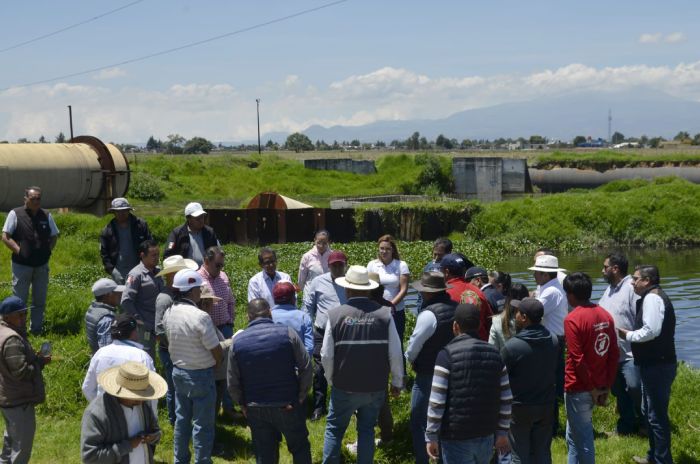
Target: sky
(311, 62)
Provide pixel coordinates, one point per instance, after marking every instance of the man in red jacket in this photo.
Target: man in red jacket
(591, 365)
(454, 265)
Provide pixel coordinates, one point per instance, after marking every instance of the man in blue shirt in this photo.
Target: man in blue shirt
(285, 312)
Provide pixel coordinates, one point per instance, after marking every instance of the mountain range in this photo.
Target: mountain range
(634, 113)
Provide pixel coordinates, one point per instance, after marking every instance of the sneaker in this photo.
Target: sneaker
(640, 460)
(317, 415)
(351, 447)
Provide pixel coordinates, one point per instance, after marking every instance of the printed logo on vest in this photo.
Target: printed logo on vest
(352, 321)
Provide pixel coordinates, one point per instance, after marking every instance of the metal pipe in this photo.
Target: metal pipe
(561, 179)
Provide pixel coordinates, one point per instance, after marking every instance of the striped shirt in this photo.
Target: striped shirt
(191, 336)
(222, 311)
(438, 399)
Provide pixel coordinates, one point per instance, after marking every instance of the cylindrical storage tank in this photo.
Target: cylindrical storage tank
(84, 174)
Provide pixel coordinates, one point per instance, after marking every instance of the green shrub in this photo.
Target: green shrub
(145, 187)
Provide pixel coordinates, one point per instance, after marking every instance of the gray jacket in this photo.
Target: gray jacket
(104, 437)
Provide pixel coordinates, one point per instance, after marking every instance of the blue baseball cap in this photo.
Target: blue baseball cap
(12, 304)
(454, 262)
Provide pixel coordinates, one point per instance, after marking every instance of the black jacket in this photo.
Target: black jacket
(179, 241)
(531, 359)
(109, 240)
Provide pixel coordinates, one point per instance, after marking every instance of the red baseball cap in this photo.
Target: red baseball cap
(337, 257)
(283, 292)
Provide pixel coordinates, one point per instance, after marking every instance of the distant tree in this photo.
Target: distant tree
(537, 139)
(42, 139)
(198, 145)
(23, 140)
(617, 137)
(413, 142)
(153, 145)
(682, 136)
(336, 145)
(579, 139)
(60, 138)
(174, 144)
(355, 143)
(270, 145)
(696, 140)
(299, 142)
(444, 142)
(643, 140)
(656, 142)
(423, 143)
(395, 143)
(466, 143)
(380, 144)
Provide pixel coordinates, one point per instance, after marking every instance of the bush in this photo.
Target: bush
(145, 187)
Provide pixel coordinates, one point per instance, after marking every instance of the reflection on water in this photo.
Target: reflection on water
(680, 279)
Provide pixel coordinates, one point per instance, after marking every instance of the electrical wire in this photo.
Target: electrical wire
(178, 48)
(67, 28)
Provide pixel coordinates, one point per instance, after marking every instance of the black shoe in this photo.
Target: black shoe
(317, 415)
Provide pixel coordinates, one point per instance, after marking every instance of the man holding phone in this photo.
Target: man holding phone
(21, 382)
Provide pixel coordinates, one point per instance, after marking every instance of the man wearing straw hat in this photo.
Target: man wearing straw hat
(21, 382)
(116, 427)
(164, 301)
(195, 351)
(360, 347)
(120, 240)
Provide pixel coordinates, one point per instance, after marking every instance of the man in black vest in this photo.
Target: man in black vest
(31, 233)
(654, 351)
(470, 399)
(120, 240)
(360, 347)
(101, 313)
(432, 332)
(193, 238)
(269, 374)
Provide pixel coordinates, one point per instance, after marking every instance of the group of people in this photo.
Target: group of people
(491, 358)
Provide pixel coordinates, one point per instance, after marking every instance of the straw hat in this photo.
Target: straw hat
(546, 263)
(133, 381)
(207, 292)
(357, 278)
(176, 263)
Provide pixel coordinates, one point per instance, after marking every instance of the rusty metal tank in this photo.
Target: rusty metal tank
(84, 174)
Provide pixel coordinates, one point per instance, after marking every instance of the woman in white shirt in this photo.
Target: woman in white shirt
(315, 261)
(393, 275)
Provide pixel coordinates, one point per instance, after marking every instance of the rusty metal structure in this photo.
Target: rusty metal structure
(84, 174)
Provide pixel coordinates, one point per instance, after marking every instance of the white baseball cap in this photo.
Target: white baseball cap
(186, 279)
(194, 209)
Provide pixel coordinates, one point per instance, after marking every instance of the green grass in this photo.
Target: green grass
(602, 160)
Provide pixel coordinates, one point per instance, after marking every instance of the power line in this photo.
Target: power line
(72, 26)
(181, 47)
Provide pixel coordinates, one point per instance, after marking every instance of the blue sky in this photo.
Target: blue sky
(351, 63)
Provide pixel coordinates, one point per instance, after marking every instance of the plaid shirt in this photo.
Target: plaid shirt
(223, 310)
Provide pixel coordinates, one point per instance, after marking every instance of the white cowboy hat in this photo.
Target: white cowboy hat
(546, 263)
(133, 381)
(357, 278)
(176, 263)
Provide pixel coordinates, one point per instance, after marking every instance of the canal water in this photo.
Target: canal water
(680, 279)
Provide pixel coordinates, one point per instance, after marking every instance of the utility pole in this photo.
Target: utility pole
(70, 118)
(609, 125)
(257, 102)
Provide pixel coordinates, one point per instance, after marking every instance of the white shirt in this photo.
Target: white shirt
(191, 336)
(389, 277)
(621, 302)
(260, 285)
(116, 353)
(556, 307)
(653, 310)
(134, 425)
(11, 223)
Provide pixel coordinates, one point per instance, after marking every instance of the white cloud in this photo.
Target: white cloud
(219, 111)
(650, 38)
(110, 73)
(674, 37)
(658, 37)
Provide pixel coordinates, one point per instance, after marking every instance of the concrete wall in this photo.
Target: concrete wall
(342, 164)
(478, 178)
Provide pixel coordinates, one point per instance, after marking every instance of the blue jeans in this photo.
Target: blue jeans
(195, 397)
(226, 330)
(268, 424)
(420, 396)
(167, 364)
(38, 278)
(656, 392)
(579, 427)
(473, 451)
(342, 406)
(628, 391)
